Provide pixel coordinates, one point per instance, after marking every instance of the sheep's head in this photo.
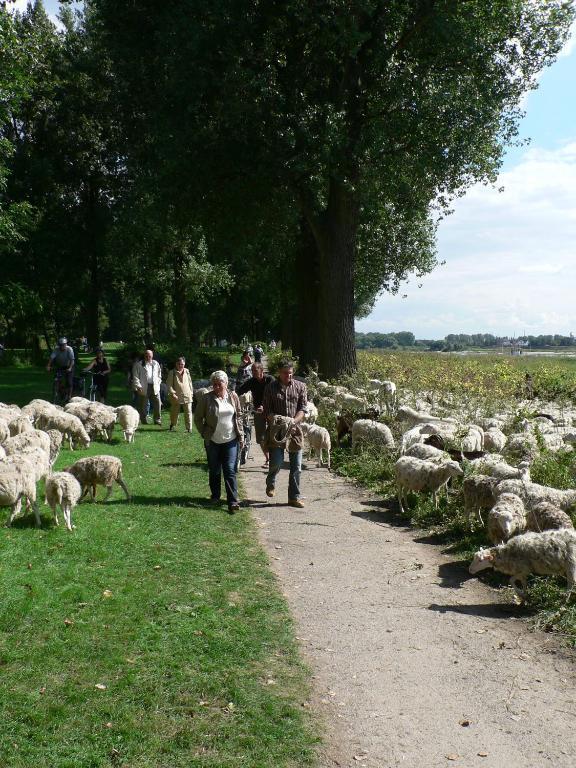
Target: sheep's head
(483, 559)
(454, 469)
(304, 427)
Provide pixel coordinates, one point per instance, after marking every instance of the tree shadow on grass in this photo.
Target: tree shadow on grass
(201, 464)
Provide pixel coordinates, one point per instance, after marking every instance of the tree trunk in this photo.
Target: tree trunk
(147, 318)
(306, 321)
(335, 232)
(93, 301)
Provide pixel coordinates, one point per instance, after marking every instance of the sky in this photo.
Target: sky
(510, 257)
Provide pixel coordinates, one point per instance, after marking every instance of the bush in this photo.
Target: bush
(16, 358)
(200, 362)
(275, 356)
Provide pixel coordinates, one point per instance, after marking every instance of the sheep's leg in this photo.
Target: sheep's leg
(85, 490)
(320, 457)
(55, 513)
(399, 494)
(37, 514)
(435, 499)
(123, 485)
(15, 511)
(519, 585)
(108, 492)
(328, 463)
(67, 518)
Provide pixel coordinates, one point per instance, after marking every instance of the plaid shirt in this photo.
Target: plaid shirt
(285, 401)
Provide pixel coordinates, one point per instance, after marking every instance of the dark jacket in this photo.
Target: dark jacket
(257, 387)
(206, 415)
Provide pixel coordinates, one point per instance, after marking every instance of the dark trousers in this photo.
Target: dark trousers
(222, 461)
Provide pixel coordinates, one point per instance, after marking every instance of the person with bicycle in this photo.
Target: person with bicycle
(100, 369)
(256, 384)
(62, 360)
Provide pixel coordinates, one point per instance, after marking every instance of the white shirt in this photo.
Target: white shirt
(224, 431)
(149, 372)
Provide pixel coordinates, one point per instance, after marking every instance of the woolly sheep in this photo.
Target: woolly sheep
(311, 413)
(351, 402)
(479, 494)
(494, 439)
(62, 489)
(418, 475)
(499, 468)
(532, 494)
(522, 445)
(547, 517)
(98, 419)
(388, 395)
(70, 426)
(33, 459)
(404, 413)
(473, 440)
(507, 518)
(18, 424)
(129, 420)
(33, 439)
(374, 384)
(369, 431)
(17, 484)
(98, 470)
(4, 431)
(318, 440)
(427, 452)
(56, 439)
(551, 553)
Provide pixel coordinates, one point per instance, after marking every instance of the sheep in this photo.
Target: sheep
(98, 419)
(311, 413)
(318, 440)
(98, 470)
(17, 483)
(427, 452)
(351, 402)
(419, 475)
(551, 553)
(495, 466)
(18, 424)
(368, 430)
(39, 410)
(479, 494)
(345, 420)
(507, 518)
(2, 453)
(388, 396)
(473, 440)
(63, 489)
(245, 399)
(374, 384)
(547, 517)
(70, 426)
(522, 445)
(532, 494)
(404, 413)
(56, 439)
(33, 439)
(129, 420)
(4, 431)
(33, 458)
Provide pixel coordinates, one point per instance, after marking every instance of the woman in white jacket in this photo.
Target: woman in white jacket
(146, 380)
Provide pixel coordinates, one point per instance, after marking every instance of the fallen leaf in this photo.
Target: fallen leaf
(43, 689)
(82, 605)
(68, 622)
(277, 546)
(131, 661)
(107, 593)
(100, 686)
(464, 723)
(452, 757)
(197, 632)
(107, 725)
(157, 567)
(482, 754)
(29, 566)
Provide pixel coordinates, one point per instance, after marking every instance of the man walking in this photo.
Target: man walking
(62, 358)
(257, 384)
(146, 380)
(285, 397)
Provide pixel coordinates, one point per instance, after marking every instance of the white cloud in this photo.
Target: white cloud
(510, 258)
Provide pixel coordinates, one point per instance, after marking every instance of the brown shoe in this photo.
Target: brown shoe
(295, 503)
(270, 491)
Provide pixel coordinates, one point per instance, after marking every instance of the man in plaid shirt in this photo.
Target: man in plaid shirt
(285, 397)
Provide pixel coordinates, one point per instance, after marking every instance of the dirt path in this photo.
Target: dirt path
(415, 663)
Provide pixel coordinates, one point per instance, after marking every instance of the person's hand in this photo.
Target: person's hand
(140, 391)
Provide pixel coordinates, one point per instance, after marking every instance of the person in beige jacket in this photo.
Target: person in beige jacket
(181, 392)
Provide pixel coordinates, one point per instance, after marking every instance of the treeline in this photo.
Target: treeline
(192, 170)
(455, 342)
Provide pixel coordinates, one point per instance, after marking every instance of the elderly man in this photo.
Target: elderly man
(146, 380)
(62, 359)
(285, 397)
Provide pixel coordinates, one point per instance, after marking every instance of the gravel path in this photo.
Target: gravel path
(415, 663)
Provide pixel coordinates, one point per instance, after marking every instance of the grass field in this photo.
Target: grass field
(154, 635)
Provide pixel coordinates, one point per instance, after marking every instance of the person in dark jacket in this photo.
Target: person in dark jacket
(256, 384)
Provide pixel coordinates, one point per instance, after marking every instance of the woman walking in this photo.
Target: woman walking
(217, 419)
(181, 392)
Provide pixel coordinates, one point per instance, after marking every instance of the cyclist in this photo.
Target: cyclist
(62, 359)
(101, 375)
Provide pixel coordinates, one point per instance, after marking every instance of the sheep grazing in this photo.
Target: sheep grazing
(56, 439)
(418, 475)
(551, 553)
(427, 452)
(34, 439)
(473, 440)
(17, 483)
(369, 431)
(388, 396)
(547, 517)
(129, 420)
(35, 460)
(352, 403)
(70, 426)
(345, 420)
(18, 424)
(311, 413)
(496, 466)
(412, 417)
(507, 518)
(98, 470)
(63, 490)
(318, 440)
(4, 431)
(98, 419)
(494, 439)
(479, 493)
(532, 494)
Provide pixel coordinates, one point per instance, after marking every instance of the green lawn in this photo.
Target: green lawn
(154, 635)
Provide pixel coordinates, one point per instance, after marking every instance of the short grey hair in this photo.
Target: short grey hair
(219, 376)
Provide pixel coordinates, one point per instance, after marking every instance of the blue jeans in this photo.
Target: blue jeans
(222, 461)
(276, 461)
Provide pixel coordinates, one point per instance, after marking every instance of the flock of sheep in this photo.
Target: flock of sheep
(528, 525)
(30, 441)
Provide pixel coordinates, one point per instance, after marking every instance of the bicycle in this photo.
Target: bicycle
(88, 378)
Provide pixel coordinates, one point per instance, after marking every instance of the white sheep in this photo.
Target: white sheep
(63, 490)
(370, 431)
(35, 459)
(34, 439)
(4, 431)
(318, 440)
(129, 420)
(311, 413)
(20, 423)
(551, 553)
(495, 466)
(547, 517)
(388, 396)
(479, 493)
(16, 484)
(507, 518)
(418, 475)
(70, 426)
(98, 419)
(494, 439)
(98, 470)
(473, 440)
(427, 452)
(533, 493)
(56, 439)
(412, 417)
(351, 403)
